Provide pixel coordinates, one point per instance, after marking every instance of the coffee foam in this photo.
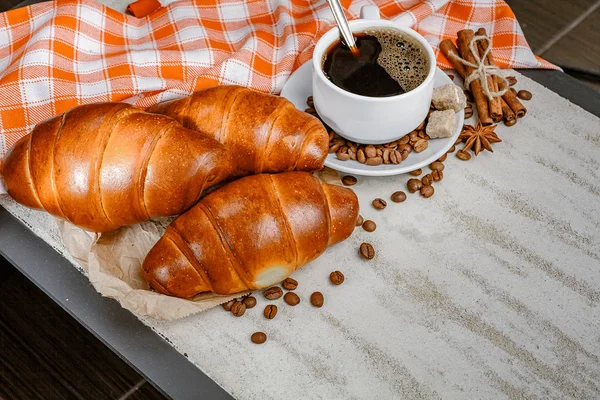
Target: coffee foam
(402, 57)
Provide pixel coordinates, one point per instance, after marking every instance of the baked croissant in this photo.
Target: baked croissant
(265, 133)
(250, 234)
(102, 166)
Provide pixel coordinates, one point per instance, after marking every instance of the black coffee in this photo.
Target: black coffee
(388, 63)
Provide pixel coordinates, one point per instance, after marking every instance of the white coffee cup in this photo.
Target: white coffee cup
(366, 119)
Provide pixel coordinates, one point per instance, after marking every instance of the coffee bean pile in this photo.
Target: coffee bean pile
(238, 307)
(389, 153)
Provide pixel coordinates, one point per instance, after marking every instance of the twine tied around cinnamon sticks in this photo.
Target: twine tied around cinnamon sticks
(480, 70)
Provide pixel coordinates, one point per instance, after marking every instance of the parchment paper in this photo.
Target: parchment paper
(113, 262)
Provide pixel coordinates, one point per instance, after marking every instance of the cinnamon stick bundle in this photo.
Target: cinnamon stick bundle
(510, 98)
(481, 101)
(495, 105)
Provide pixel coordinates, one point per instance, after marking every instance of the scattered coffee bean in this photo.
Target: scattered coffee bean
(510, 122)
(427, 191)
(451, 76)
(291, 298)
(367, 251)
(359, 220)
(463, 155)
(426, 180)
(369, 225)
(316, 299)
(414, 185)
(379, 204)
(512, 81)
(273, 293)
(468, 112)
(524, 94)
(336, 277)
(349, 180)
(443, 158)
(421, 145)
(398, 197)
(437, 175)
(270, 311)
(452, 149)
(373, 161)
(249, 301)
(416, 172)
(227, 306)
(436, 166)
(469, 96)
(290, 284)
(238, 308)
(458, 140)
(258, 337)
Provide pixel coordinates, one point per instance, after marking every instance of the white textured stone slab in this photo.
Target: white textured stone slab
(489, 289)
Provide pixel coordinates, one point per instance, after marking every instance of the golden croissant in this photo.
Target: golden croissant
(250, 234)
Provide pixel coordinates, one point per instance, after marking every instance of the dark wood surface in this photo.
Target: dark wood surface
(46, 354)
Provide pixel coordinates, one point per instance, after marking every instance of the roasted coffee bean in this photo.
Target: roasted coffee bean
(420, 146)
(273, 293)
(458, 140)
(427, 191)
(386, 156)
(289, 284)
(359, 220)
(227, 306)
(342, 156)
(336, 277)
(380, 153)
(398, 197)
(369, 225)
(373, 161)
(463, 155)
(416, 172)
(436, 166)
(249, 301)
(367, 251)
(510, 122)
(258, 337)
(468, 113)
(395, 157)
(349, 180)
(238, 308)
(379, 204)
(443, 158)
(452, 149)
(512, 81)
(370, 151)
(360, 156)
(352, 153)
(270, 311)
(414, 185)
(421, 126)
(403, 140)
(451, 76)
(334, 148)
(310, 102)
(422, 134)
(437, 175)
(316, 299)
(405, 150)
(426, 180)
(414, 135)
(291, 298)
(310, 110)
(524, 94)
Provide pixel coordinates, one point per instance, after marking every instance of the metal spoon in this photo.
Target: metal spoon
(342, 23)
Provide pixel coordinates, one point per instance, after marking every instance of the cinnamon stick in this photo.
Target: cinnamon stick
(448, 48)
(495, 106)
(507, 112)
(464, 39)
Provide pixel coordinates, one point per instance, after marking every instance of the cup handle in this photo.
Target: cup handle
(369, 12)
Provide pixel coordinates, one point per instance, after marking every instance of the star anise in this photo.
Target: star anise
(479, 137)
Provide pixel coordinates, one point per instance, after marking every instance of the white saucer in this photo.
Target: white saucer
(299, 86)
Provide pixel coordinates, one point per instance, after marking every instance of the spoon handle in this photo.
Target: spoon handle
(342, 23)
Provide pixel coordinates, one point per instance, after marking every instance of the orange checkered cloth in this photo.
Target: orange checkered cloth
(56, 55)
